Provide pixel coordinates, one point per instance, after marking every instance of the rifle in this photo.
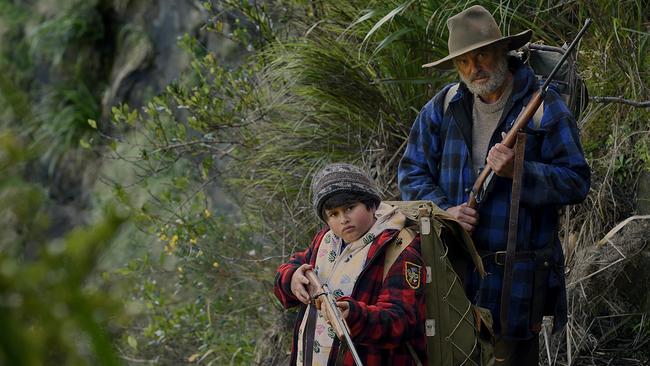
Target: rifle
(483, 182)
(338, 323)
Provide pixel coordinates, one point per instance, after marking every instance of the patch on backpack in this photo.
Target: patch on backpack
(412, 274)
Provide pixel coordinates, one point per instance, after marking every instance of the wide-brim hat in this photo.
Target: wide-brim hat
(472, 29)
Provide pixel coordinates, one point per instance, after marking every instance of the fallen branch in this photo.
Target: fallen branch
(621, 100)
(607, 239)
(618, 227)
(597, 272)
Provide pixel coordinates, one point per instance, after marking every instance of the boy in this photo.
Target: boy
(384, 315)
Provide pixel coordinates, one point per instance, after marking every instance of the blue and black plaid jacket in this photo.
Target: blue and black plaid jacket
(439, 168)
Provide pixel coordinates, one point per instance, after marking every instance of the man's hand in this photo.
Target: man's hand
(300, 284)
(501, 160)
(467, 216)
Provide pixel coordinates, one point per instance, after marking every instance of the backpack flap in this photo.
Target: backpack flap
(441, 219)
(568, 83)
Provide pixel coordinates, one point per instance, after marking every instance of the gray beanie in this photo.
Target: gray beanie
(338, 178)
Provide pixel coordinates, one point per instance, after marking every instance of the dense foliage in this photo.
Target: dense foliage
(52, 310)
(346, 83)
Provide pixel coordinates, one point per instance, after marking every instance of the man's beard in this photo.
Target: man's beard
(495, 79)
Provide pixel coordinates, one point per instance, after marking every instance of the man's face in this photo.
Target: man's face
(483, 70)
(350, 222)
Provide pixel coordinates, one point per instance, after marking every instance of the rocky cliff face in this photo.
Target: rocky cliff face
(147, 56)
(125, 52)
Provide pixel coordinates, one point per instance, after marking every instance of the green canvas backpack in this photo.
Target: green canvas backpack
(542, 59)
(457, 332)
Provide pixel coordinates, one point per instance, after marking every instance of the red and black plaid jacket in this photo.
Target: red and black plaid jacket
(384, 315)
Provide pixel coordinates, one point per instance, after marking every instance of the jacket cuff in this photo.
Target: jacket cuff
(286, 282)
(354, 315)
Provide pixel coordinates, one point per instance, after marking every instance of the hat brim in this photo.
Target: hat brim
(514, 42)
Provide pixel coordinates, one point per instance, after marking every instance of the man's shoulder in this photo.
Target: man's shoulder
(439, 102)
(553, 108)
(525, 82)
(448, 91)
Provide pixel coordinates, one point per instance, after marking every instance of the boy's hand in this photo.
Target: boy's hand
(300, 283)
(343, 306)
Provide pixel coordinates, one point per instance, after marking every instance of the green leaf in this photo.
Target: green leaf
(392, 37)
(360, 20)
(132, 342)
(388, 17)
(415, 81)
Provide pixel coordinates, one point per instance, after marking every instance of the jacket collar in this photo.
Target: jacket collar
(524, 79)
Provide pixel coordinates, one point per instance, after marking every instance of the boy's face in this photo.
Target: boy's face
(350, 222)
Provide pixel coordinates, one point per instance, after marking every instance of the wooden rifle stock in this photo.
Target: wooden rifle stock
(329, 302)
(481, 185)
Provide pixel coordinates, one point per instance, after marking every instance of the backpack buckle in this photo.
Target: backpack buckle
(500, 258)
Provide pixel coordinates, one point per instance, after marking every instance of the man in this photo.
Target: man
(452, 140)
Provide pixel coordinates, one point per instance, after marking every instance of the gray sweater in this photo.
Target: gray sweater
(485, 117)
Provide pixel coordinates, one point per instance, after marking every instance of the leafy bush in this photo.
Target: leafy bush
(202, 299)
(58, 74)
(54, 310)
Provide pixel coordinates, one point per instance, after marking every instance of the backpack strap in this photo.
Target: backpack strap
(450, 94)
(395, 248)
(511, 246)
(435, 318)
(416, 359)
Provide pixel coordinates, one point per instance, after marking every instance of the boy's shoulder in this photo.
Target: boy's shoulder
(408, 239)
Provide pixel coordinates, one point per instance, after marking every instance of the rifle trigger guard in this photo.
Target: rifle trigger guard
(478, 196)
(485, 188)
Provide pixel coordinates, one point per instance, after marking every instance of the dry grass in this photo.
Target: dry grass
(607, 287)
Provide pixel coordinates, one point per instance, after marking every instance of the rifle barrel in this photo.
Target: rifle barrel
(566, 53)
(338, 323)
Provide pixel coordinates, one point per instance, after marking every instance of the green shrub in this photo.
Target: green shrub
(53, 308)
